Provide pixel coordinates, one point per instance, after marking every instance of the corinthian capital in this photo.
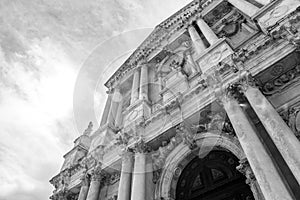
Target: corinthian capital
(141, 147)
(96, 172)
(85, 180)
(246, 170)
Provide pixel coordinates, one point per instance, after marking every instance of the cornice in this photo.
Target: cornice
(162, 32)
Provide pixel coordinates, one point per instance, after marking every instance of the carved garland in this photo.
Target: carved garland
(283, 81)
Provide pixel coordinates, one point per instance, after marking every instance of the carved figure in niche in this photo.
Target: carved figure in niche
(174, 62)
(217, 122)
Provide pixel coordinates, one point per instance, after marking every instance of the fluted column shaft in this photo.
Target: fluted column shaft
(196, 39)
(139, 177)
(283, 137)
(272, 185)
(208, 33)
(94, 189)
(144, 82)
(244, 6)
(126, 175)
(135, 86)
(106, 109)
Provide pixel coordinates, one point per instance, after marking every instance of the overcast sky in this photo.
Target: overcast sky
(45, 45)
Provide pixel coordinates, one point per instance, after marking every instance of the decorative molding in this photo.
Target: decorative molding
(284, 80)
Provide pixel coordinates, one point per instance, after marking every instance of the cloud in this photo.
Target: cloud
(36, 123)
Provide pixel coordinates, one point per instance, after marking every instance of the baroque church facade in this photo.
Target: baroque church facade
(207, 107)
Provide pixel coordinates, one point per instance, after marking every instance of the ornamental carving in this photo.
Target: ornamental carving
(85, 180)
(122, 138)
(224, 69)
(186, 135)
(230, 25)
(141, 147)
(276, 85)
(218, 13)
(114, 197)
(254, 48)
(292, 118)
(115, 177)
(159, 156)
(96, 172)
(214, 122)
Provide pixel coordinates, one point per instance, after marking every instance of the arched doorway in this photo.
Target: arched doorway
(213, 177)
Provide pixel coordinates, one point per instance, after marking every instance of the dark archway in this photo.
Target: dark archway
(213, 177)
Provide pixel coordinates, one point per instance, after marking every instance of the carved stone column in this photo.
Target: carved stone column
(244, 6)
(246, 170)
(106, 109)
(85, 183)
(138, 191)
(94, 189)
(283, 137)
(144, 82)
(135, 86)
(126, 175)
(268, 178)
(207, 31)
(196, 39)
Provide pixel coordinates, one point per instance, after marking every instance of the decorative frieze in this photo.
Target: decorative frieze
(254, 48)
(278, 84)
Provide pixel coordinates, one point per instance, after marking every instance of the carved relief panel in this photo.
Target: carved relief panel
(273, 15)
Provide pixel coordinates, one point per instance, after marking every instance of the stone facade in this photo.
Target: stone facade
(216, 76)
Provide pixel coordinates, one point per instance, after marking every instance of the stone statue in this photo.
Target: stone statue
(89, 129)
